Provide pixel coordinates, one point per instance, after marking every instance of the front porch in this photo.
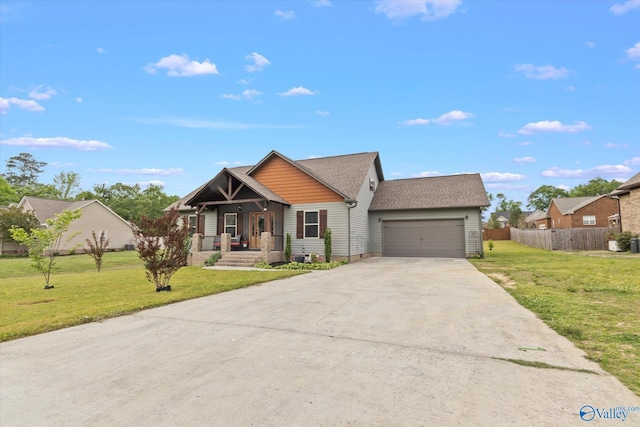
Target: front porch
(199, 254)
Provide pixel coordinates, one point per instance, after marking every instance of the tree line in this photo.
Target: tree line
(541, 198)
(131, 202)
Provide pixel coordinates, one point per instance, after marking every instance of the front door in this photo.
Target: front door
(260, 222)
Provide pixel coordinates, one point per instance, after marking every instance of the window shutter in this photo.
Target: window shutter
(220, 223)
(300, 225)
(201, 224)
(239, 224)
(323, 224)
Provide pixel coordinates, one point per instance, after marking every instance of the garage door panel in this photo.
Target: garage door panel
(425, 238)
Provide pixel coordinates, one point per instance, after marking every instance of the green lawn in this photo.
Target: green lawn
(83, 295)
(592, 298)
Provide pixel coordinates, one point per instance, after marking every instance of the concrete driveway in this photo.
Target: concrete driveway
(385, 341)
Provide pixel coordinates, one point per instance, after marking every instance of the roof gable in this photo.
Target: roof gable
(631, 184)
(568, 205)
(45, 209)
(440, 192)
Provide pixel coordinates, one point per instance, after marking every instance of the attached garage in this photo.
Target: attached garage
(442, 238)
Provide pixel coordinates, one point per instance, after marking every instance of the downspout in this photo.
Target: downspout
(481, 235)
(350, 205)
(619, 213)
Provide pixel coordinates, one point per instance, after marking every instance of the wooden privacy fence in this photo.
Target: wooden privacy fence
(565, 239)
(496, 234)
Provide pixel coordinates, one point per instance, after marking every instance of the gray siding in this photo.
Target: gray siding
(336, 221)
(472, 230)
(360, 235)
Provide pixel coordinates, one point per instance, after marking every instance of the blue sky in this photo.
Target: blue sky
(524, 92)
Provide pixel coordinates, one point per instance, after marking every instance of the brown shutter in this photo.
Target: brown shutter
(323, 224)
(300, 225)
(220, 223)
(201, 224)
(239, 224)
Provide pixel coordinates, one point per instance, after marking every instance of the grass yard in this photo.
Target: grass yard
(591, 298)
(83, 295)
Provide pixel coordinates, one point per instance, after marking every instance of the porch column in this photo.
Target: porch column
(225, 242)
(196, 242)
(265, 246)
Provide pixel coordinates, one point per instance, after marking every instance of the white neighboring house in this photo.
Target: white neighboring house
(95, 217)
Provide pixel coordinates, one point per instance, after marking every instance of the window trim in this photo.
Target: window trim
(317, 224)
(586, 220)
(225, 225)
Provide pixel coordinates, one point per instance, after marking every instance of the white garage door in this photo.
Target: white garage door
(425, 238)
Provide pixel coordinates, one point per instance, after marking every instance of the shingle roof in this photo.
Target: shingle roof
(568, 205)
(453, 191)
(536, 215)
(632, 183)
(44, 209)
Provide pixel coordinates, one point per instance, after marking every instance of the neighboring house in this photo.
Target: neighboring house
(579, 212)
(95, 217)
(534, 218)
(504, 217)
(368, 216)
(628, 195)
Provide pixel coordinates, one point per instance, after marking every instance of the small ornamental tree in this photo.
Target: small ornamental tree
(97, 247)
(287, 248)
(45, 243)
(162, 245)
(327, 245)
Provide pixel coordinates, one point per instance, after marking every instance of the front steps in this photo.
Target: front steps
(239, 259)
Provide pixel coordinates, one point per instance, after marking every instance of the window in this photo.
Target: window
(230, 224)
(589, 220)
(192, 224)
(311, 224)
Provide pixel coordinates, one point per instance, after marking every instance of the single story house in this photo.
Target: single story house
(532, 219)
(504, 217)
(628, 195)
(367, 216)
(579, 212)
(95, 217)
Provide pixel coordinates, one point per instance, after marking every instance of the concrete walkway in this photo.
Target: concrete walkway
(385, 341)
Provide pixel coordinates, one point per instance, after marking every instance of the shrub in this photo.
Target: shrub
(327, 244)
(97, 247)
(211, 261)
(262, 264)
(491, 245)
(624, 240)
(311, 266)
(287, 248)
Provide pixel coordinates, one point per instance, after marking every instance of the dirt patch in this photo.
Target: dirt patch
(43, 301)
(502, 279)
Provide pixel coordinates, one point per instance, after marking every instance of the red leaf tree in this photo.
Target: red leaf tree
(163, 246)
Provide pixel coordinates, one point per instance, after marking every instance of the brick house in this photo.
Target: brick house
(628, 194)
(579, 212)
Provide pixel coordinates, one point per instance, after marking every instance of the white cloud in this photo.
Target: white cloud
(553, 126)
(597, 171)
(564, 187)
(182, 66)
(622, 8)
(231, 96)
(101, 50)
(285, 14)
(429, 10)
(46, 94)
(525, 143)
(297, 91)
(633, 53)
(152, 171)
(452, 116)
(526, 159)
(23, 104)
(570, 88)
(57, 142)
(542, 72)
(613, 145)
(633, 162)
(155, 183)
(258, 62)
(244, 81)
(416, 122)
(396, 173)
(502, 177)
(79, 100)
(590, 45)
(322, 113)
(251, 93)
(319, 3)
(502, 134)
(427, 174)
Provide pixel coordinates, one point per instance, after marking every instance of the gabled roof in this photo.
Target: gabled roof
(631, 184)
(44, 209)
(536, 216)
(507, 215)
(453, 191)
(568, 205)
